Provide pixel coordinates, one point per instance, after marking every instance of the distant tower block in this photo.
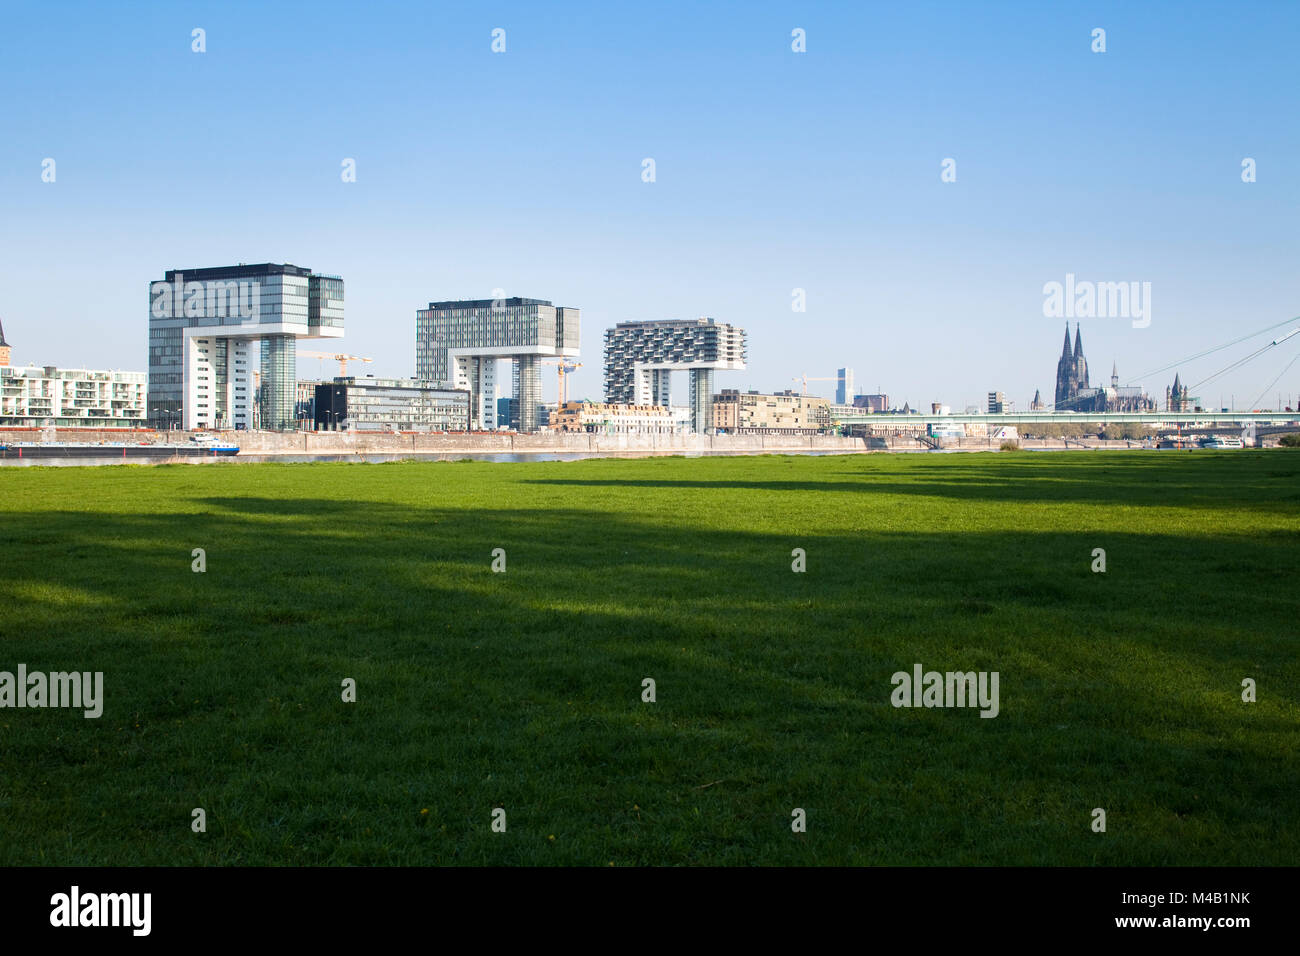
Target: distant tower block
(640, 356)
(843, 386)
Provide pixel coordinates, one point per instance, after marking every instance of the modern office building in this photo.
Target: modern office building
(34, 395)
(610, 419)
(641, 356)
(208, 326)
(785, 413)
(458, 344)
(305, 403)
(843, 386)
(390, 404)
(998, 404)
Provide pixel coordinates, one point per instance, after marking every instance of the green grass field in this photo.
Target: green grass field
(522, 690)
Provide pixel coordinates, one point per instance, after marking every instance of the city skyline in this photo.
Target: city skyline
(779, 177)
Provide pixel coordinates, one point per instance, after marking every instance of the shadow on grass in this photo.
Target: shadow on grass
(1200, 480)
(524, 688)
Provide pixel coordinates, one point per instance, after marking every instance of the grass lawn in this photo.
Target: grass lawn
(522, 690)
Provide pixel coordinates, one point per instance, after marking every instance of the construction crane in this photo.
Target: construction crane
(336, 357)
(565, 368)
(815, 378)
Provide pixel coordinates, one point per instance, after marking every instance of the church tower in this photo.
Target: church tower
(4, 347)
(1081, 374)
(1066, 380)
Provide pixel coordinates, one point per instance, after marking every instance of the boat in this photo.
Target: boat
(1221, 441)
(115, 450)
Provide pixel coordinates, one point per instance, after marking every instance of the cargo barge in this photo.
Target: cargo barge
(122, 451)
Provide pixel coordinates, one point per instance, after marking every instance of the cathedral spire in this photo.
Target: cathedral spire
(1078, 339)
(1114, 374)
(1065, 352)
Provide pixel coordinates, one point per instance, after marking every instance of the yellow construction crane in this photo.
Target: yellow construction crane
(565, 368)
(815, 378)
(336, 357)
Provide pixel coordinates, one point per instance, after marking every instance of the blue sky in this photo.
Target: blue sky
(774, 171)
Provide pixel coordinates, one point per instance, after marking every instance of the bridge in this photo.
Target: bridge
(1184, 420)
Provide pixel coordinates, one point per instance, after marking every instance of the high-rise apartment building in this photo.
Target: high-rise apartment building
(208, 326)
(640, 357)
(458, 344)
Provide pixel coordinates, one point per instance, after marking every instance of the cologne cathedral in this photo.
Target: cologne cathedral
(1073, 393)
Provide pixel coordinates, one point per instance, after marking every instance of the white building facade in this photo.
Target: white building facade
(36, 395)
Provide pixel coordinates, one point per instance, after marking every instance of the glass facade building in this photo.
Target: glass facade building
(204, 325)
(459, 342)
(389, 404)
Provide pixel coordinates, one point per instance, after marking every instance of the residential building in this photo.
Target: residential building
(617, 419)
(390, 404)
(459, 342)
(208, 326)
(35, 395)
(785, 412)
(640, 358)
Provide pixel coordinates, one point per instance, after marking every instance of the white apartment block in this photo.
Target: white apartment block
(35, 395)
(609, 418)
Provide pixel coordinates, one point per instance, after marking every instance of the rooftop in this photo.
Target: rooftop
(241, 271)
(486, 303)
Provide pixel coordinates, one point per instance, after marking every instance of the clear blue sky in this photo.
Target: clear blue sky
(775, 170)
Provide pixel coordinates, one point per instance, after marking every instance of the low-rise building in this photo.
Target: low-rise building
(615, 418)
(783, 413)
(35, 395)
(305, 405)
(390, 404)
(873, 404)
